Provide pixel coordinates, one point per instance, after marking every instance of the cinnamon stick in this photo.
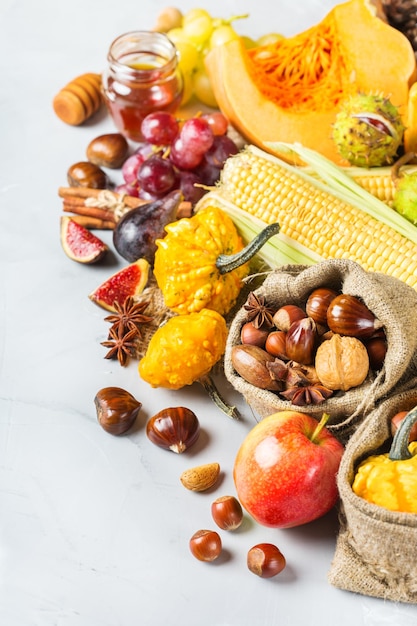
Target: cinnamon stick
(89, 211)
(74, 201)
(89, 192)
(93, 223)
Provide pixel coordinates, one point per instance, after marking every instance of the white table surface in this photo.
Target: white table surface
(94, 529)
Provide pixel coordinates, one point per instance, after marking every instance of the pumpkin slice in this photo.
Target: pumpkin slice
(291, 90)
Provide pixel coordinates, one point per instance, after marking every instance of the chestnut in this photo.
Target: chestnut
(227, 512)
(109, 150)
(347, 315)
(265, 560)
(318, 302)
(116, 409)
(174, 428)
(377, 350)
(301, 341)
(206, 545)
(86, 174)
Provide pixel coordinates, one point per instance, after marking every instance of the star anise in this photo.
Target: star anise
(121, 344)
(260, 314)
(129, 315)
(305, 395)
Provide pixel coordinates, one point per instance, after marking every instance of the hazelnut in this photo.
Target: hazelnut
(86, 174)
(265, 560)
(205, 545)
(109, 150)
(249, 334)
(227, 512)
(342, 362)
(286, 315)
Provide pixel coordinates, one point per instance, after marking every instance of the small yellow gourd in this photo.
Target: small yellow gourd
(184, 349)
(201, 261)
(390, 480)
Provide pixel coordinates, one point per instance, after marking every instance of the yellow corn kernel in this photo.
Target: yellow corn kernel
(376, 180)
(380, 185)
(314, 217)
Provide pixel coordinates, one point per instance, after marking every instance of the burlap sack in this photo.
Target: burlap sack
(376, 549)
(391, 301)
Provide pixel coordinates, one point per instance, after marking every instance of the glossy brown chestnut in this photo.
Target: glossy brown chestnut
(301, 341)
(86, 174)
(174, 428)
(347, 315)
(206, 545)
(318, 303)
(109, 150)
(116, 409)
(265, 560)
(377, 350)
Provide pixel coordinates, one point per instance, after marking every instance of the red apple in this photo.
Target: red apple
(285, 470)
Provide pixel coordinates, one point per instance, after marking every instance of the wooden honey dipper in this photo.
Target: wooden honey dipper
(79, 99)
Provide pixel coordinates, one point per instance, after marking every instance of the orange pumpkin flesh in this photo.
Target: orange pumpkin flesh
(366, 54)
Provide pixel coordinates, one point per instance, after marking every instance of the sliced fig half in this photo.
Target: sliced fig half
(129, 281)
(80, 244)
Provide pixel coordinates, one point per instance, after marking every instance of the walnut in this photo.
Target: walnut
(342, 362)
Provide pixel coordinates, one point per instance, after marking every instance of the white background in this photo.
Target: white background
(94, 529)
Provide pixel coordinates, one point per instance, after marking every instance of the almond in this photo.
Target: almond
(201, 477)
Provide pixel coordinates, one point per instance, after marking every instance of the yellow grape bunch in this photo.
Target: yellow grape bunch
(194, 34)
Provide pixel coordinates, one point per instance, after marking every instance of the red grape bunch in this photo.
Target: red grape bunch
(185, 155)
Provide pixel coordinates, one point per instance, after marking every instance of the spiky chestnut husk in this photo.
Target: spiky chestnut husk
(368, 130)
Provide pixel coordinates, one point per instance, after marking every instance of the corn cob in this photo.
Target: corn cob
(332, 217)
(376, 180)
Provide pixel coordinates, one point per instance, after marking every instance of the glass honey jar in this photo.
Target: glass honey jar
(142, 77)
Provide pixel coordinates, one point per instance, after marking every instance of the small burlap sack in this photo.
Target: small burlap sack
(376, 549)
(392, 302)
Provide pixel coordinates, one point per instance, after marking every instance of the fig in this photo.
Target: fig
(135, 234)
(80, 244)
(129, 281)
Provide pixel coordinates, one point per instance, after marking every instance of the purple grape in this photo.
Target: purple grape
(131, 167)
(160, 128)
(222, 148)
(157, 175)
(126, 188)
(196, 135)
(208, 173)
(188, 182)
(182, 157)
